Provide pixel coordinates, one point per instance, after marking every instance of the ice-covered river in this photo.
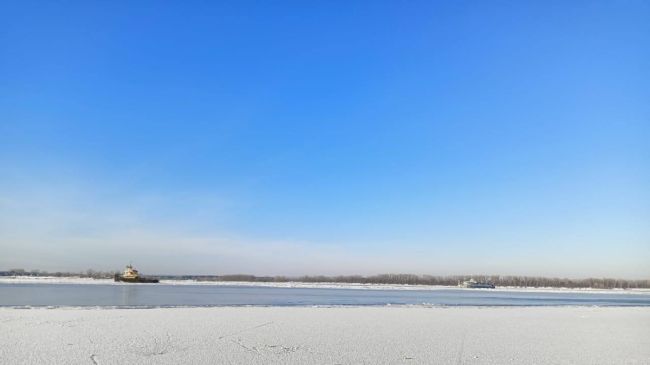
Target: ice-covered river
(162, 295)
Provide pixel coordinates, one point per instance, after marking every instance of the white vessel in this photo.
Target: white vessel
(471, 283)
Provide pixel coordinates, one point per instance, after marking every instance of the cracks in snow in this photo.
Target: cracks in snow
(267, 349)
(250, 349)
(459, 358)
(275, 349)
(160, 346)
(283, 349)
(245, 330)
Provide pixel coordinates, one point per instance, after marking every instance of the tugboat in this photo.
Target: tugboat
(471, 283)
(131, 275)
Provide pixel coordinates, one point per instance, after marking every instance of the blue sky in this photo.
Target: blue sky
(326, 137)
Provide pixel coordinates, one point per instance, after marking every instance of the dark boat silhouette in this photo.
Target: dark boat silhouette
(131, 275)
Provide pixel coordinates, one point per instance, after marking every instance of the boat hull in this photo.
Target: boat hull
(479, 286)
(136, 280)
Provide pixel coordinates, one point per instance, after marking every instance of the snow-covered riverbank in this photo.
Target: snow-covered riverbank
(307, 335)
(79, 280)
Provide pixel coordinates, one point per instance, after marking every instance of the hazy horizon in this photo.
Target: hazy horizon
(326, 138)
(84, 272)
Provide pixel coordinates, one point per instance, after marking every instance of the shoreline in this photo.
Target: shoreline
(324, 285)
(340, 335)
(324, 306)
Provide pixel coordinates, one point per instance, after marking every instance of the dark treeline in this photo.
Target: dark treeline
(410, 279)
(90, 273)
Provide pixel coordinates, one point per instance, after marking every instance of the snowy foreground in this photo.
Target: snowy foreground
(326, 335)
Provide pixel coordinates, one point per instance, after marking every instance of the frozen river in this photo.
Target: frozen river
(162, 295)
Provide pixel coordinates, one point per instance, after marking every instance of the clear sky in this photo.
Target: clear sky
(333, 137)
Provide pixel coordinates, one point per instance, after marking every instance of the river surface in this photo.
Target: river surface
(161, 295)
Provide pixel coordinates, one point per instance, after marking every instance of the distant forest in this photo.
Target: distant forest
(409, 279)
